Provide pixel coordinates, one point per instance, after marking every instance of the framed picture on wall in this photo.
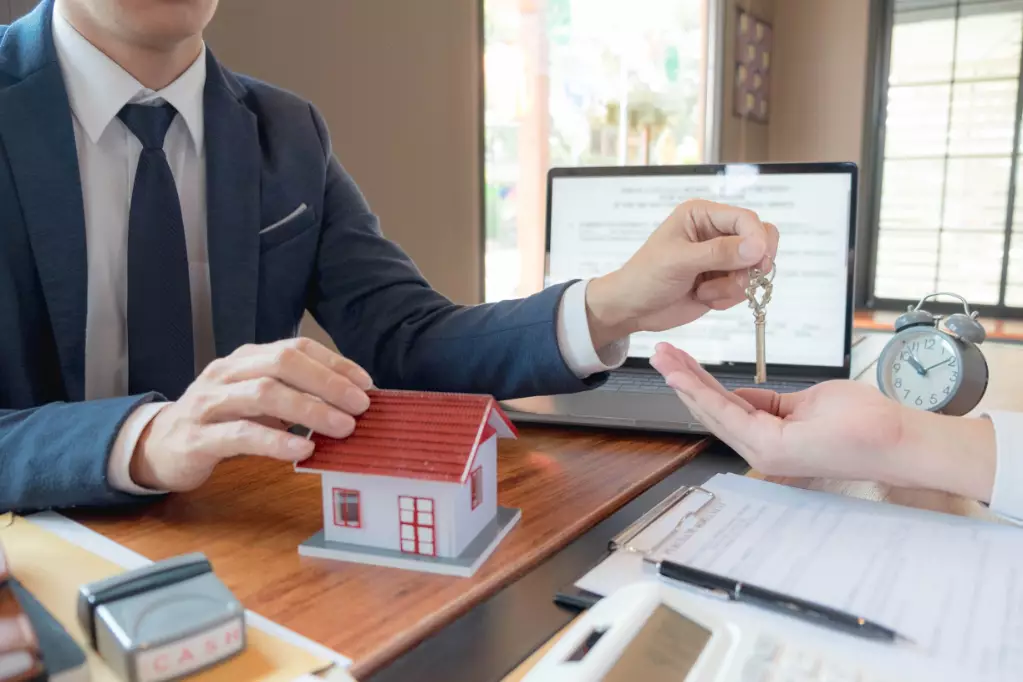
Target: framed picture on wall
(753, 40)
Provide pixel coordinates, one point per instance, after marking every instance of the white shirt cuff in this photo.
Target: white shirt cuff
(574, 338)
(1007, 493)
(119, 463)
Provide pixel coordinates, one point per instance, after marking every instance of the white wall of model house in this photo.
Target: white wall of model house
(456, 524)
(468, 521)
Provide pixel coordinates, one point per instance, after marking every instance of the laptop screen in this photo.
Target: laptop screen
(597, 218)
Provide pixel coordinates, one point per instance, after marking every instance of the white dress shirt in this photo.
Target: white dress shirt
(1007, 493)
(108, 155)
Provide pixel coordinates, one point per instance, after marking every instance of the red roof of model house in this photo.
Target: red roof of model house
(413, 434)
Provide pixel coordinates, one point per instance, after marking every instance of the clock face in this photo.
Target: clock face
(921, 368)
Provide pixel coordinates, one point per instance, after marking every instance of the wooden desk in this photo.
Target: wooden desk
(250, 518)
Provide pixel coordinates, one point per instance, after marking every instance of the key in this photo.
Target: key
(758, 280)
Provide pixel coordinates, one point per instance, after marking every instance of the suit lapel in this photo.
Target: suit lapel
(37, 134)
(232, 208)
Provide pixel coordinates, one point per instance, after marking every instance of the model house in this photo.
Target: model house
(415, 485)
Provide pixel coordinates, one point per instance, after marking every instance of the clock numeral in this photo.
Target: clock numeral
(919, 400)
(934, 399)
(929, 344)
(898, 383)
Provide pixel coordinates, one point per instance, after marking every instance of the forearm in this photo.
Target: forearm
(56, 455)
(938, 452)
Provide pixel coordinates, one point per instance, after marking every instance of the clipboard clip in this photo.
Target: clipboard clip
(622, 541)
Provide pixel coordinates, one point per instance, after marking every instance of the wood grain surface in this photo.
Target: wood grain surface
(251, 516)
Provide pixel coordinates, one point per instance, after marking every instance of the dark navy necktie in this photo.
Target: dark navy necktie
(160, 351)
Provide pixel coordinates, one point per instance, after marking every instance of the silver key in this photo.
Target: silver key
(759, 280)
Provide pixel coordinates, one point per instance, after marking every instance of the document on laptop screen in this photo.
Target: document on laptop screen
(597, 223)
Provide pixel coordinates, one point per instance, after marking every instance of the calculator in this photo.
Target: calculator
(654, 632)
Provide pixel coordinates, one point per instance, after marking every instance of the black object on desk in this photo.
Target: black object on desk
(736, 590)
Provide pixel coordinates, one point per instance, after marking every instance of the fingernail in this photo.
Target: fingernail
(750, 248)
(300, 445)
(357, 399)
(339, 421)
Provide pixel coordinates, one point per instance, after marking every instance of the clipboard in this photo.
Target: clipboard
(573, 598)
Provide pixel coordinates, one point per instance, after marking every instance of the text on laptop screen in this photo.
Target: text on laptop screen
(598, 222)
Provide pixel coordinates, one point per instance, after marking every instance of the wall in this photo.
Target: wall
(819, 83)
(398, 83)
(12, 9)
(741, 139)
(378, 501)
(468, 521)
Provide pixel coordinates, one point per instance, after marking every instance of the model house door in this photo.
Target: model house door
(416, 519)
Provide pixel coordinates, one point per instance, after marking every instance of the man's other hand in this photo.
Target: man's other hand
(696, 260)
(242, 405)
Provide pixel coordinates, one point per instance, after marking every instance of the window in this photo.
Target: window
(347, 509)
(581, 82)
(476, 484)
(416, 525)
(949, 213)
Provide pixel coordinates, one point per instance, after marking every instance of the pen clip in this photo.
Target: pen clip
(716, 592)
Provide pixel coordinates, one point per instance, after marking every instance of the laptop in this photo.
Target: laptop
(598, 217)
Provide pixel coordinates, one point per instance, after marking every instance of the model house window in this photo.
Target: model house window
(950, 211)
(582, 83)
(476, 481)
(416, 525)
(347, 510)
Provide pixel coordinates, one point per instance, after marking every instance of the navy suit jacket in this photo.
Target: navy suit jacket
(267, 152)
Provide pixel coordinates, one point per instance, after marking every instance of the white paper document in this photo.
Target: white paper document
(951, 584)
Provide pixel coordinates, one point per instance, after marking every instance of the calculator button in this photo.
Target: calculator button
(832, 674)
(801, 662)
(766, 648)
(756, 670)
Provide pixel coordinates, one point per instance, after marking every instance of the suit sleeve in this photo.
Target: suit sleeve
(56, 455)
(381, 313)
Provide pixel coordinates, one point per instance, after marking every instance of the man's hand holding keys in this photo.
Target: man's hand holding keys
(242, 404)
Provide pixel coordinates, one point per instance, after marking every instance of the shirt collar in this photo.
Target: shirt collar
(98, 87)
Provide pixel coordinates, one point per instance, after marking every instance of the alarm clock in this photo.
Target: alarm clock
(929, 368)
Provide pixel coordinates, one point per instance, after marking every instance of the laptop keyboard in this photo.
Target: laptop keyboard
(652, 382)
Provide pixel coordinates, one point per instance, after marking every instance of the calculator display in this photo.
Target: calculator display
(665, 648)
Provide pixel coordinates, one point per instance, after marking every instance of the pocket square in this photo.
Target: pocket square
(286, 219)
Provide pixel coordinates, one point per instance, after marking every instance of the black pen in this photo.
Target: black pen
(739, 591)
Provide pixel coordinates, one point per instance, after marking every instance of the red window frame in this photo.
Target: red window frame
(346, 522)
(415, 525)
(476, 486)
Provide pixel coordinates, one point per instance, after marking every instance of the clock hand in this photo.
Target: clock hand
(946, 360)
(916, 364)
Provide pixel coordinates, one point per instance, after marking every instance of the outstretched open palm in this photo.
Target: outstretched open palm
(838, 429)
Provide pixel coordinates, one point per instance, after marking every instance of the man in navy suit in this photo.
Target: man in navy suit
(164, 224)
